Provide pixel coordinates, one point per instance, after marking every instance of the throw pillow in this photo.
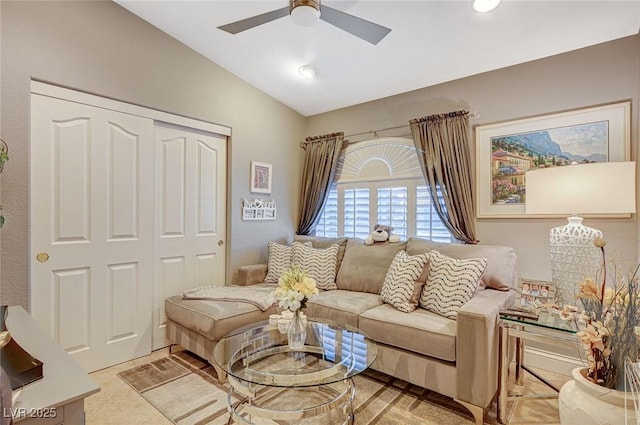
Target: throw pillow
(279, 259)
(450, 283)
(364, 267)
(402, 286)
(320, 264)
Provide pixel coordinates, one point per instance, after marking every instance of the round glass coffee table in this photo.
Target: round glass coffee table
(270, 382)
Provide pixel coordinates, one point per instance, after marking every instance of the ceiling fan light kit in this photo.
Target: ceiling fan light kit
(307, 13)
(304, 13)
(484, 6)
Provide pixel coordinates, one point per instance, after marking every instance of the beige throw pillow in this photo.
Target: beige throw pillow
(451, 283)
(279, 259)
(402, 285)
(320, 264)
(364, 267)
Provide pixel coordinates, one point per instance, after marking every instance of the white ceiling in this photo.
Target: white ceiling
(431, 42)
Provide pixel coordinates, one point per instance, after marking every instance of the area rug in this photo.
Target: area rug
(184, 388)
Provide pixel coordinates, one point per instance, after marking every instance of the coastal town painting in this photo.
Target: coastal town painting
(506, 151)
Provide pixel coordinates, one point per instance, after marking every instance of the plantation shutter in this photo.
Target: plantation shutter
(328, 223)
(356, 213)
(393, 209)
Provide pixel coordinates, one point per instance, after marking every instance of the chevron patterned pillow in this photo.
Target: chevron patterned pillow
(279, 259)
(450, 283)
(320, 264)
(402, 284)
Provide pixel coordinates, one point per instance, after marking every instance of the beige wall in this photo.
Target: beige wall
(101, 48)
(605, 73)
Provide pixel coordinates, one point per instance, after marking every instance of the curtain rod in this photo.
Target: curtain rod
(474, 114)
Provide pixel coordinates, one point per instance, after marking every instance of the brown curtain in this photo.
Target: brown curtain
(442, 142)
(320, 163)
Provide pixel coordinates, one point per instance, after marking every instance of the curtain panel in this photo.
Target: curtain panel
(442, 142)
(318, 172)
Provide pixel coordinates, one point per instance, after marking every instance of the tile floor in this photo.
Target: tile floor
(117, 403)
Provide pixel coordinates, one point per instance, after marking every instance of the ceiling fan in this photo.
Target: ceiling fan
(307, 13)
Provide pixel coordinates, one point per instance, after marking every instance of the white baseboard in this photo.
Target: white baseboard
(553, 362)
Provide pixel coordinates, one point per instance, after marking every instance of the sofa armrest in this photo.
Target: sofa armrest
(250, 275)
(477, 346)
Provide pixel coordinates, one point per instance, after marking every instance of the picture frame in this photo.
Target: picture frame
(532, 294)
(506, 150)
(261, 177)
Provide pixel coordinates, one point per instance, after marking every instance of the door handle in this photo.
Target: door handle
(42, 257)
(220, 242)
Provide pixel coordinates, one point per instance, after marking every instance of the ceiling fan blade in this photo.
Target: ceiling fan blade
(359, 27)
(254, 21)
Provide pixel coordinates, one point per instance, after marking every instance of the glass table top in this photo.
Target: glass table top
(259, 354)
(545, 320)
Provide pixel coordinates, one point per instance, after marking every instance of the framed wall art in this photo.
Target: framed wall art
(260, 177)
(506, 151)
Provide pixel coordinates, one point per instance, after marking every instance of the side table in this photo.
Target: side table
(547, 328)
(57, 398)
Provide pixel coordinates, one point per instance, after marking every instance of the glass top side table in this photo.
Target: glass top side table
(547, 328)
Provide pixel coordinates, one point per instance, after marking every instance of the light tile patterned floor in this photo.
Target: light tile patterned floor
(117, 403)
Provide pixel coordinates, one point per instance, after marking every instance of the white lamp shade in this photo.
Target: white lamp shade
(595, 188)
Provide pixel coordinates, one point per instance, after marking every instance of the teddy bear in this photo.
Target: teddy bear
(381, 233)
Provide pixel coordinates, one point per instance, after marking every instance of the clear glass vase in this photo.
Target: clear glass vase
(297, 332)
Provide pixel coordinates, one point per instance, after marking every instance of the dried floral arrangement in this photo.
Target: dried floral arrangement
(609, 320)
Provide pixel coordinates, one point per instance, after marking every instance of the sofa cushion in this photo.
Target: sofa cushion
(341, 306)
(318, 242)
(214, 319)
(364, 267)
(501, 271)
(402, 285)
(318, 263)
(279, 260)
(451, 283)
(420, 331)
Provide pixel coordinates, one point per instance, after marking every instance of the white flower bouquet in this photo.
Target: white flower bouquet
(295, 288)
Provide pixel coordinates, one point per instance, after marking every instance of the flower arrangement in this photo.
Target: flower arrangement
(295, 288)
(609, 321)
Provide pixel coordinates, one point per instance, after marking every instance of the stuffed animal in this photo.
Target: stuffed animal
(381, 233)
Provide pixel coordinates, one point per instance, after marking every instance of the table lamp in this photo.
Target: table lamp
(602, 188)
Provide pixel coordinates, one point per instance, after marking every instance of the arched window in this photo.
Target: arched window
(380, 181)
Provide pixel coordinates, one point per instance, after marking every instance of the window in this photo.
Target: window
(380, 182)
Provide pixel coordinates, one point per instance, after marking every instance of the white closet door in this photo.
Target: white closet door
(190, 215)
(92, 229)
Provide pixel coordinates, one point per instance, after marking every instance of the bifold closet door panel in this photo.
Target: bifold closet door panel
(190, 215)
(92, 231)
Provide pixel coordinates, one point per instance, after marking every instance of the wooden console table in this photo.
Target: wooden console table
(57, 398)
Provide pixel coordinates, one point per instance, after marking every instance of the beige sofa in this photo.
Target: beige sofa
(457, 358)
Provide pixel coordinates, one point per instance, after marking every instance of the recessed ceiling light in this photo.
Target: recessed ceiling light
(307, 71)
(485, 5)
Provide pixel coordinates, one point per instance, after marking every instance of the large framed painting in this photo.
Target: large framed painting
(506, 150)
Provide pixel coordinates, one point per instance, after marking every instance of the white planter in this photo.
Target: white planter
(584, 403)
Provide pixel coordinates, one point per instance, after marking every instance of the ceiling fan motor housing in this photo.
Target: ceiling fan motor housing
(304, 12)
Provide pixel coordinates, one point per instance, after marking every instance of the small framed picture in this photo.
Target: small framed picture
(260, 177)
(534, 294)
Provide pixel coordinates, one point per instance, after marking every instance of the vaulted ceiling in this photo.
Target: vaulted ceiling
(430, 42)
